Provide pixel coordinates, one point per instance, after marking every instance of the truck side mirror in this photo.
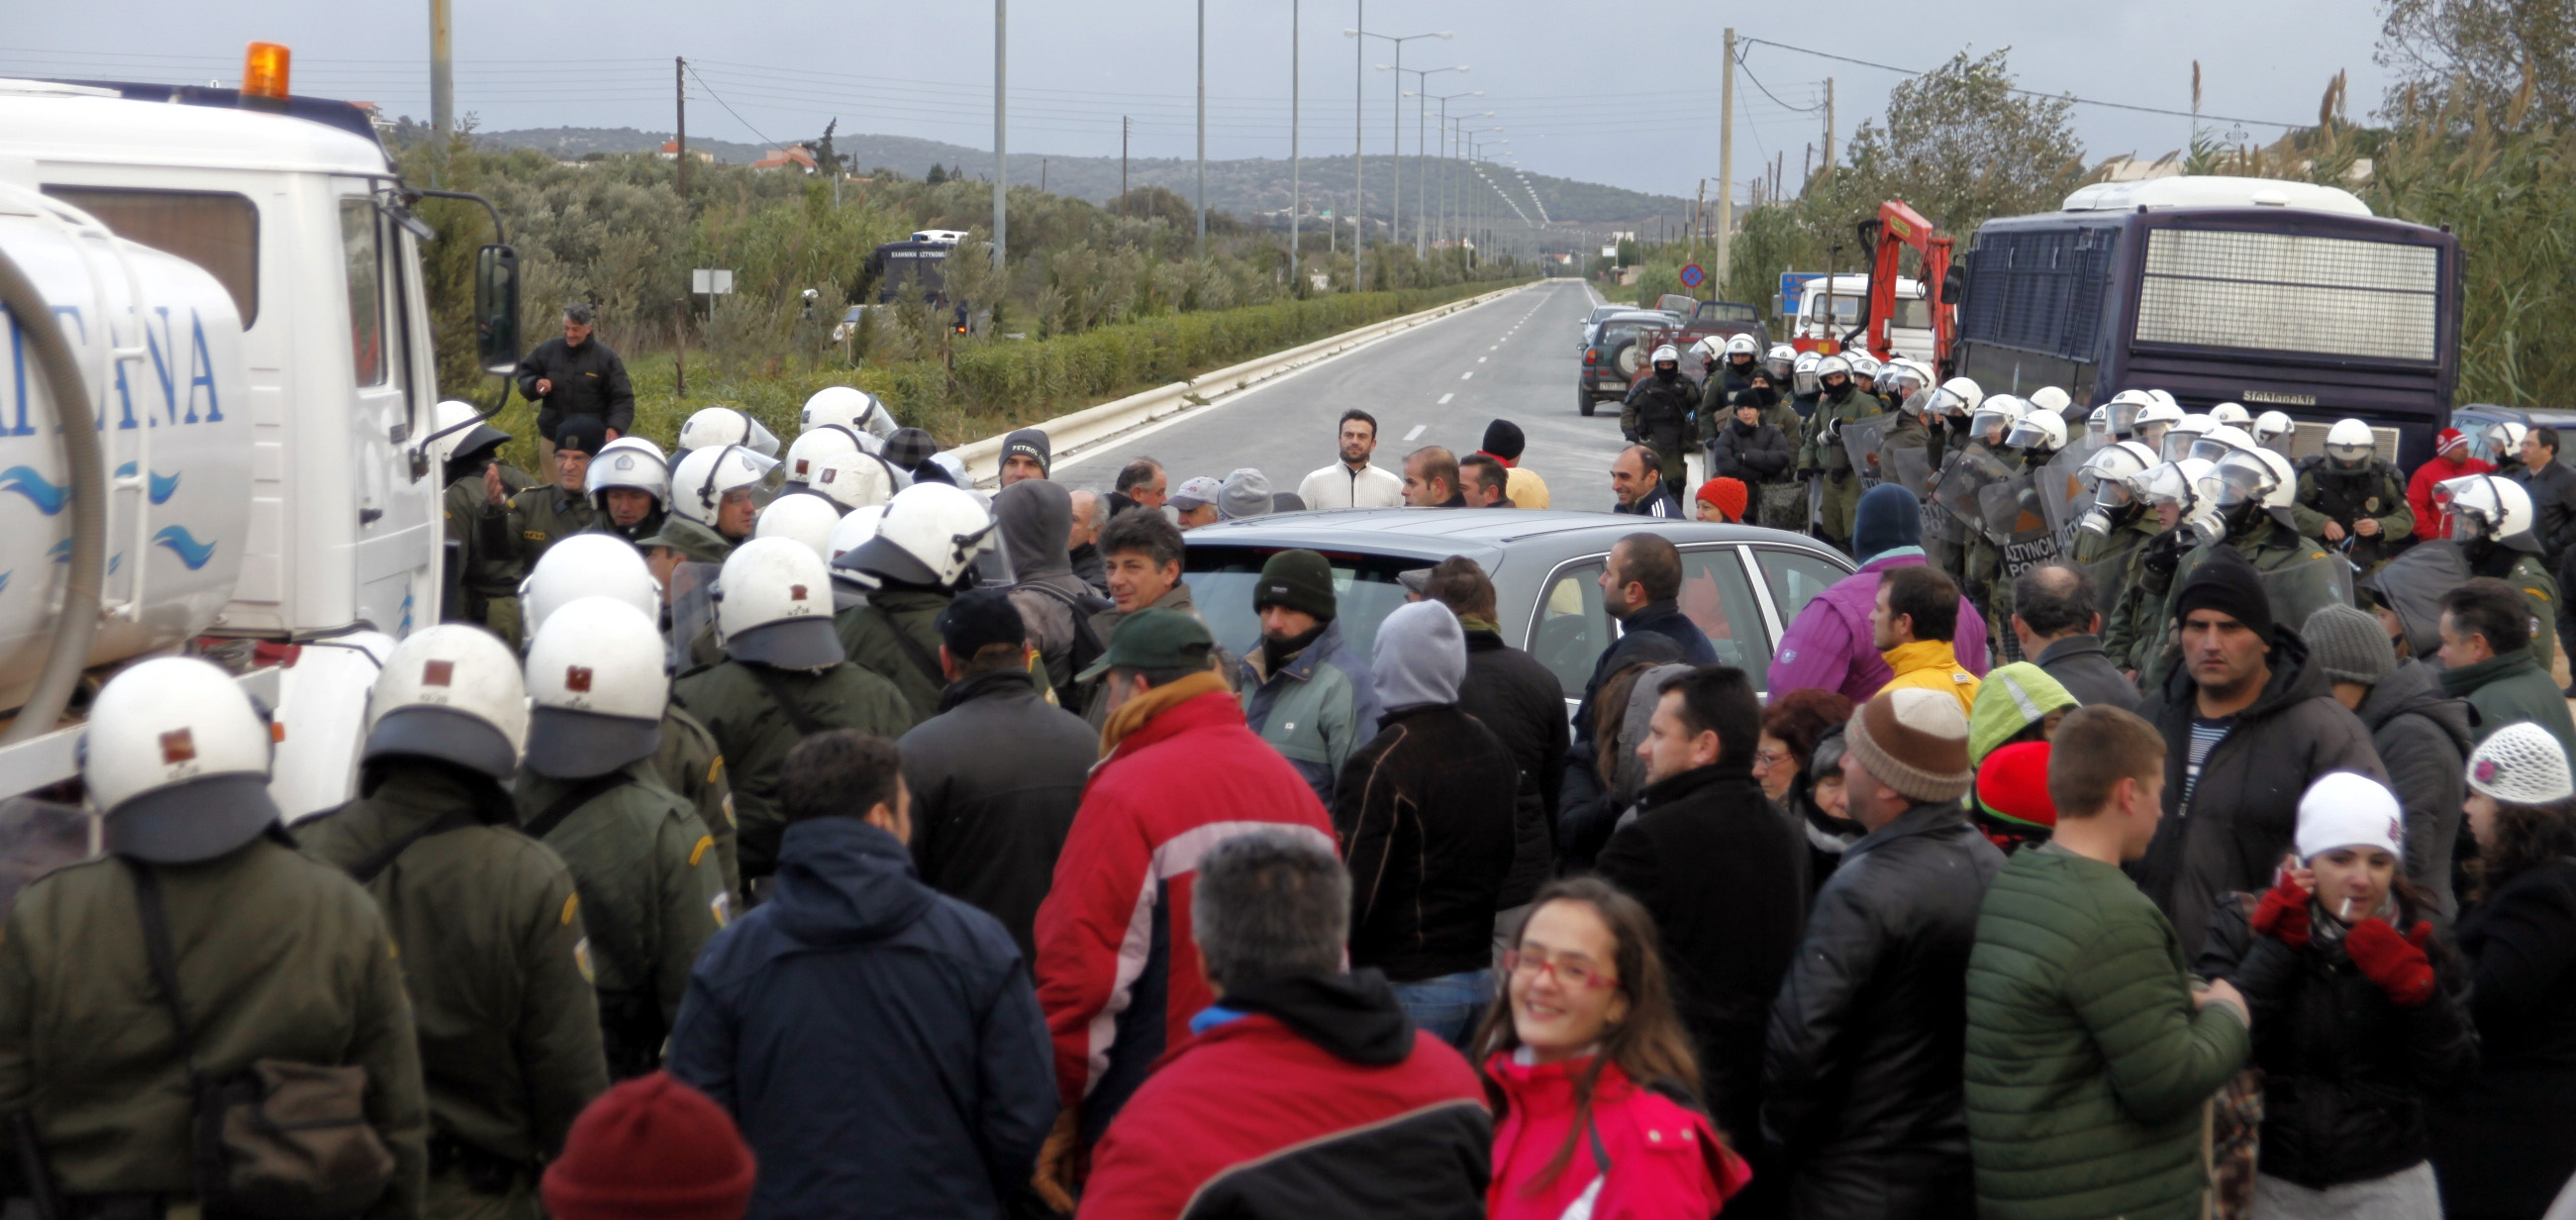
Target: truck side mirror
(1954, 284)
(496, 308)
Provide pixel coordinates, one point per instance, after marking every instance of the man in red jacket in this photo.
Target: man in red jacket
(2451, 459)
(1307, 1091)
(1117, 964)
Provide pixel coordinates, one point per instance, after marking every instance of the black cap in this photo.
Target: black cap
(581, 434)
(908, 448)
(1503, 439)
(978, 619)
(2224, 582)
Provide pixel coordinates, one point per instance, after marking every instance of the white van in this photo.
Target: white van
(1909, 333)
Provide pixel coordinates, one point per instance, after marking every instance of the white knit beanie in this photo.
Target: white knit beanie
(2521, 764)
(2342, 809)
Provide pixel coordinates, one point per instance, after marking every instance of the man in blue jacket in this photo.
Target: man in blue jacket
(879, 1043)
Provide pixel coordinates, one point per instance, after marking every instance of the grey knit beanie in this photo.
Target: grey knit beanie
(2349, 645)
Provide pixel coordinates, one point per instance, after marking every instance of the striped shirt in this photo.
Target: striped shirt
(2206, 733)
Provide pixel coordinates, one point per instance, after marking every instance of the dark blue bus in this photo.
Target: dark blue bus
(2277, 295)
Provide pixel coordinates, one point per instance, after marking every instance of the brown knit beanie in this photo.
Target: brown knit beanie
(1915, 741)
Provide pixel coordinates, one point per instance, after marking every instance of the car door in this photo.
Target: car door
(1569, 626)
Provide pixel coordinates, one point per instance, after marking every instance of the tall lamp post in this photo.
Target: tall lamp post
(1395, 198)
(1421, 148)
(1442, 229)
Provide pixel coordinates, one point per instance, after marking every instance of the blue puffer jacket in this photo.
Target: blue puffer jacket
(878, 1043)
(1316, 711)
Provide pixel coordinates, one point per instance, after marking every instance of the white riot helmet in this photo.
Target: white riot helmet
(2248, 479)
(458, 427)
(699, 486)
(2173, 485)
(1957, 396)
(931, 535)
(1782, 360)
(2274, 430)
(595, 678)
(1830, 365)
(586, 565)
(2233, 414)
(1742, 345)
(2219, 441)
(629, 462)
(1993, 412)
(846, 407)
(2051, 399)
(806, 456)
(806, 518)
(1907, 378)
(1803, 372)
(2489, 507)
(774, 606)
(2178, 438)
(176, 758)
(855, 526)
(1707, 349)
(450, 692)
(2126, 408)
(855, 481)
(2164, 398)
(2107, 475)
(2099, 423)
(716, 427)
(1864, 367)
(2042, 430)
(2504, 440)
(2152, 422)
(2350, 443)
(1663, 353)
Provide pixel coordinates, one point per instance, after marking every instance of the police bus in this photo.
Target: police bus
(2278, 295)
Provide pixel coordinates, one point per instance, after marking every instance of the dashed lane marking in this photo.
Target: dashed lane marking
(1417, 431)
(1465, 375)
(1444, 399)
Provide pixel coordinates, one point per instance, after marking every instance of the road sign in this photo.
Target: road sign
(1692, 276)
(710, 281)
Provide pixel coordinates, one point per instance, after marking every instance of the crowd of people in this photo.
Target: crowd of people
(794, 830)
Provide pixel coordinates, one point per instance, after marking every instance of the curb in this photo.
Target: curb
(1070, 434)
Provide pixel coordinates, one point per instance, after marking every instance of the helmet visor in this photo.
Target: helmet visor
(2163, 485)
(2209, 448)
(2152, 435)
(1780, 369)
(2241, 477)
(1987, 420)
(1917, 402)
(1945, 401)
(2124, 417)
(2026, 433)
(2177, 445)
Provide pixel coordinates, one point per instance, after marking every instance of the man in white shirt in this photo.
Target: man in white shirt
(1352, 482)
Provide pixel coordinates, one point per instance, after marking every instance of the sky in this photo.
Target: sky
(1586, 92)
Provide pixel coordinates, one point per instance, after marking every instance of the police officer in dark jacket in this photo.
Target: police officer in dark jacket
(1747, 448)
(1658, 411)
(577, 375)
(2348, 485)
(987, 826)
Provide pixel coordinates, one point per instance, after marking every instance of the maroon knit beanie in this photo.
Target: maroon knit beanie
(651, 1149)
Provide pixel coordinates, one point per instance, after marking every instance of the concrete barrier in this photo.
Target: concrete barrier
(1071, 434)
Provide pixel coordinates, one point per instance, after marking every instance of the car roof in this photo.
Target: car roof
(1435, 534)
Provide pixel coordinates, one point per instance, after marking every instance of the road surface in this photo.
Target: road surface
(1440, 383)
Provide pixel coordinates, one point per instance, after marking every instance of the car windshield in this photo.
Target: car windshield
(1221, 581)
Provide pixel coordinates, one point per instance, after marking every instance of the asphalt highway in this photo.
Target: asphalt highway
(1512, 358)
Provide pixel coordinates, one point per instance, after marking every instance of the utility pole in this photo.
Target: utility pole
(1829, 125)
(1001, 133)
(1201, 250)
(680, 140)
(1296, 167)
(1123, 125)
(1042, 169)
(442, 70)
(1359, 148)
(1726, 163)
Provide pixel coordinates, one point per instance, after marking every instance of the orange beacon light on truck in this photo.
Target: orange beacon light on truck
(264, 70)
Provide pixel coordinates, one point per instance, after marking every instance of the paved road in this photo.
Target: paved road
(1437, 384)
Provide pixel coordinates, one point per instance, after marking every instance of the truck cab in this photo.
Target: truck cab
(263, 424)
(1813, 329)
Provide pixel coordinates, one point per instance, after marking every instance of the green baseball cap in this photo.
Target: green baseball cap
(1155, 639)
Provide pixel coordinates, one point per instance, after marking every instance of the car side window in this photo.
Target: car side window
(1717, 597)
(1570, 628)
(1796, 577)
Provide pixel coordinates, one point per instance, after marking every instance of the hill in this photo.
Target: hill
(1244, 187)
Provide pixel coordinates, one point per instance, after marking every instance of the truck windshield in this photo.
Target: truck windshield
(216, 230)
(1726, 311)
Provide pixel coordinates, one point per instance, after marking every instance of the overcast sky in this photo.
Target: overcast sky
(1583, 90)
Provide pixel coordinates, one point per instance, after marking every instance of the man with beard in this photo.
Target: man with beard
(2349, 498)
(1352, 482)
(1657, 414)
(1306, 691)
(1823, 456)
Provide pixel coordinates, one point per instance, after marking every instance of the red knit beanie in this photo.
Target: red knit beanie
(2012, 786)
(651, 1149)
(1727, 494)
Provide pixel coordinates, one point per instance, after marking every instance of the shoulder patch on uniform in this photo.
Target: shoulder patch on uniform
(699, 852)
(571, 907)
(715, 768)
(722, 906)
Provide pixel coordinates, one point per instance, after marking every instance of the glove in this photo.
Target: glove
(1057, 1162)
(2396, 963)
(2283, 914)
(2163, 553)
(1628, 436)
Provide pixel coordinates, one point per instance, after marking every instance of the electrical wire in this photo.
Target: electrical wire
(728, 107)
(2066, 97)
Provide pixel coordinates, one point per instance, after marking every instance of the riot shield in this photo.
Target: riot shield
(1909, 467)
(2413, 585)
(2309, 585)
(1964, 479)
(2012, 519)
(1863, 439)
(2062, 497)
(692, 601)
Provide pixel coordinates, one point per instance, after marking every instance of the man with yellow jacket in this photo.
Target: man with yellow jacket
(1912, 625)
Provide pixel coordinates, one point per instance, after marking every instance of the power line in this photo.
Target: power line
(1766, 89)
(2066, 97)
(728, 107)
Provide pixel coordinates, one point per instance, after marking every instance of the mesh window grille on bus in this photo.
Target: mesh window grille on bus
(2040, 290)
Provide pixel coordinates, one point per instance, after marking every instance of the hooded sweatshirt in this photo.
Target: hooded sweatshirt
(1421, 656)
(1035, 518)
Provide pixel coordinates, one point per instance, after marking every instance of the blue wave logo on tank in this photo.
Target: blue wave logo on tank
(39, 491)
(162, 486)
(185, 545)
(61, 552)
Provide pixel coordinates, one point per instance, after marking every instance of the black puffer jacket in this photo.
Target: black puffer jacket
(1521, 701)
(2345, 1070)
(2242, 815)
(2423, 739)
(1424, 811)
(995, 779)
(2506, 1143)
(1867, 1041)
(1759, 454)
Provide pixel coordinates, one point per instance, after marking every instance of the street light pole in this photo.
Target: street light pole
(1395, 198)
(1296, 167)
(1441, 230)
(1001, 133)
(1421, 147)
(1201, 249)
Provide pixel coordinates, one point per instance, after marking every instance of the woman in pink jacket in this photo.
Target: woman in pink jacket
(1591, 1075)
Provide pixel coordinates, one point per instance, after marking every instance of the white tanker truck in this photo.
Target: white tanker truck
(220, 291)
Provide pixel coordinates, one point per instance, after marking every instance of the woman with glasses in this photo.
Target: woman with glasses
(1790, 765)
(1591, 1077)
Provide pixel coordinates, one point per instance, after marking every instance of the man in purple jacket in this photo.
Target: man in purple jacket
(1828, 647)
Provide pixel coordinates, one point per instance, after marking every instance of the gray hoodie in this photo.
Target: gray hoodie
(1421, 657)
(1035, 517)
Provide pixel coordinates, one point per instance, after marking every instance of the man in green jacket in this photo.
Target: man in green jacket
(652, 891)
(783, 679)
(276, 957)
(2090, 1049)
(2487, 659)
(485, 917)
(521, 526)
(473, 463)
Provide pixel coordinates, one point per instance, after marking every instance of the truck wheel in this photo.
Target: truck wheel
(1588, 403)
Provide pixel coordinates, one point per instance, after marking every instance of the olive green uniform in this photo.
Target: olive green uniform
(490, 937)
(652, 894)
(487, 577)
(755, 733)
(2529, 574)
(690, 764)
(279, 957)
(700, 544)
(534, 519)
(2115, 555)
(873, 635)
(1984, 557)
(2380, 495)
(1825, 454)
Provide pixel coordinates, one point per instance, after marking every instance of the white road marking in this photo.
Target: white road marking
(1480, 360)
(1444, 401)
(1418, 429)
(1465, 375)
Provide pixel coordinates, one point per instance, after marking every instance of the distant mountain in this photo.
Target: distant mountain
(1243, 187)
